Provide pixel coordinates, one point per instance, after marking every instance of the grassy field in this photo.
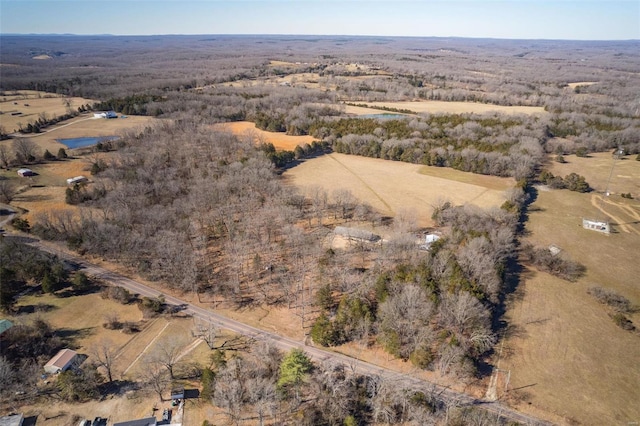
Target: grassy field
(566, 355)
(31, 104)
(279, 140)
(435, 107)
(390, 186)
(625, 173)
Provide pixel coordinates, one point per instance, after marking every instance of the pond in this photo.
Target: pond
(85, 141)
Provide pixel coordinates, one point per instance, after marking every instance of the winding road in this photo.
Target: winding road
(449, 396)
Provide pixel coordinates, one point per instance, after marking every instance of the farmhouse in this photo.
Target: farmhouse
(77, 179)
(105, 114)
(596, 225)
(25, 172)
(61, 362)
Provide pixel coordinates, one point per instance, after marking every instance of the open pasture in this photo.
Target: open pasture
(390, 186)
(565, 354)
(442, 107)
(597, 167)
(280, 141)
(32, 105)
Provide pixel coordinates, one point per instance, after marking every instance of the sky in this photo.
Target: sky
(507, 19)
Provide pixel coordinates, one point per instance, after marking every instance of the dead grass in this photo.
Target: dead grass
(435, 107)
(390, 186)
(566, 355)
(598, 167)
(281, 141)
(581, 83)
(31, 104)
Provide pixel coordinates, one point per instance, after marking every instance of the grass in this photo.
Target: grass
(566, 355)
(391, 186)
(435, 107)
(280, 141)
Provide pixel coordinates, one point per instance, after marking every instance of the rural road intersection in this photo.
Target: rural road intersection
(449, 396)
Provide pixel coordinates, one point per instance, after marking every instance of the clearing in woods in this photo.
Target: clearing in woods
(278, 139)
(391, 186)
(435, 107)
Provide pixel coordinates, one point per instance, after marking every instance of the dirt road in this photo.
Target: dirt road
(449, 396)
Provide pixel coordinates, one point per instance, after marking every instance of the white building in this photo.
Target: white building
(61, 362)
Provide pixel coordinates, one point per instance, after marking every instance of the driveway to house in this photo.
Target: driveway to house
(449, 396)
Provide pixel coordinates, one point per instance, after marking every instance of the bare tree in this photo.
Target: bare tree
(25, 150)
(7, 191)
(167, 354)
(4, 155)
(104, 355)
(157, 380)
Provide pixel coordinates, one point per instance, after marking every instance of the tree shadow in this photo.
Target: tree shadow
(69, 335)
(38, 307)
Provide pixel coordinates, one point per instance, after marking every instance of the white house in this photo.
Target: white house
(25, 172)
(61, 362)
(105, 114)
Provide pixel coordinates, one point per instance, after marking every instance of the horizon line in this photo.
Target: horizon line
(314, 35)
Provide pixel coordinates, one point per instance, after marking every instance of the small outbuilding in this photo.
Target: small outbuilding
(25, 172)
(63, 360)
(105, 114)
(77, 179)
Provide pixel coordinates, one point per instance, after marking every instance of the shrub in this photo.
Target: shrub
(582, 152)
(622, 321)
(62, 154)
(119, 294)
(21, 224)
(48, 156)
(555, 265)
(611, 298)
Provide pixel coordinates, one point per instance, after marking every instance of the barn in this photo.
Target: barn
(63, 360)
(25, 172)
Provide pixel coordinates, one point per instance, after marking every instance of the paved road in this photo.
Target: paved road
(286, 344)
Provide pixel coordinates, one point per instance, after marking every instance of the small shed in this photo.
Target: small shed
(149, 421)
(25, 172)
(61, 362)
(77, 179)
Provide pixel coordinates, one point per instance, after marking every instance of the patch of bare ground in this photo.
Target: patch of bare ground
(581, 83)
(435, 107)
(565, 354)
(279, 140)
(390, 186)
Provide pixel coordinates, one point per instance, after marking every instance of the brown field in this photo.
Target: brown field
(38, 102)
(436, 107)
(565, 355)
(390, 186)
(625, 173)
(279, 140)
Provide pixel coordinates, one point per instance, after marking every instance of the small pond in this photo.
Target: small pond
(85, 141)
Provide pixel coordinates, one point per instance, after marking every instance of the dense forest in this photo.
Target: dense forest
(205, 211)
